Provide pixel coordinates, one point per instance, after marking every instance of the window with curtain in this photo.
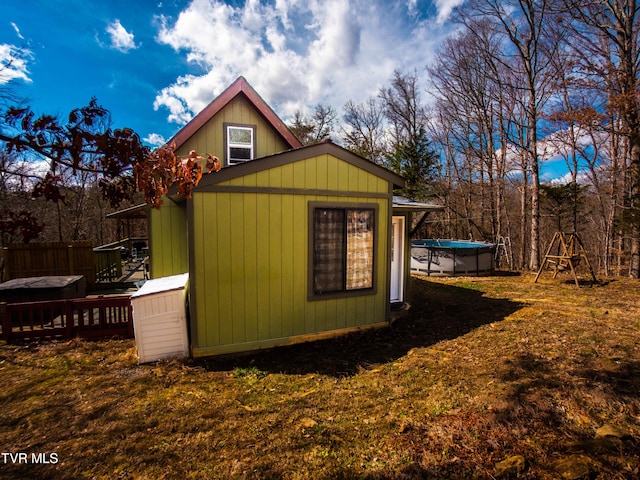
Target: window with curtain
(343, 249)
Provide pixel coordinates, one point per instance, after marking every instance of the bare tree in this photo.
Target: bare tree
(526, 53)
(316, 127)
(606, 45)
(364, 129)
(410, 153)
(465, 83)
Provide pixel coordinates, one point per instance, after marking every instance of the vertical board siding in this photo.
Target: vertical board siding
(264, 273)
(250, 263)
(275, 178)
(324, 172)
(276, 258)
(288, 273)
(236, 241)
(321, 173)
(168, 240)
(223, 247)
(310, 172)
(286, 175)
(206, 282)
(250, 253)
(300, 238)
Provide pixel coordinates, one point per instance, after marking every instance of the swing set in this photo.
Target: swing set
(569, 252)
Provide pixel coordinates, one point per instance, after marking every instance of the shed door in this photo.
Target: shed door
(397, 259)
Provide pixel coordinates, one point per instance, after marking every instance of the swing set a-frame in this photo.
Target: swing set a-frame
(569, 252)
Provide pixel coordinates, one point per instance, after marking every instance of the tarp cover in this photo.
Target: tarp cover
(29, 283)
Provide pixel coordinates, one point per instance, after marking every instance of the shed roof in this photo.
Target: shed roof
(137, 211)
(239, 87)
(404, 204)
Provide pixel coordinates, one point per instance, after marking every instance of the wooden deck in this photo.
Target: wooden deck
(99, 317)
(132, 277)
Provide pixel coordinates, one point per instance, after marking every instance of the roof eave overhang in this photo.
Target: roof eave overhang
(135, 212)
(403, 204)
(418, 208)
(290, 156)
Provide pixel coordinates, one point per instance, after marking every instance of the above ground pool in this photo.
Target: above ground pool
(452, 257)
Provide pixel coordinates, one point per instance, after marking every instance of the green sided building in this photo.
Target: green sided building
(285, 244)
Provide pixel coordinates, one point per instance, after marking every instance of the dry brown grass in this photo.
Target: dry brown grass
(481, 370)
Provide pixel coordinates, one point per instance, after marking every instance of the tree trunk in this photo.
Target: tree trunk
(534, 260)
(634, 261)
(522, 261)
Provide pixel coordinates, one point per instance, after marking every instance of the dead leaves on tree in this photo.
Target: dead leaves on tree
(163, 169)
(85, 143)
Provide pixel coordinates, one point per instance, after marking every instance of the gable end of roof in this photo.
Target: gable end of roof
(239, 87)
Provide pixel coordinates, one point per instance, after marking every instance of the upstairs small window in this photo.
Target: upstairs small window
(240, 143)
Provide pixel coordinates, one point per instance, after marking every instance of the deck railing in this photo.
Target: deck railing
(108, 262)
(83, 317)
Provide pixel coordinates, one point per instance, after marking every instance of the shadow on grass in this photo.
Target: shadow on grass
(532, 377)
(621, 382)
(539, 399)
(506, 273)
(531, 385)
(439, 312)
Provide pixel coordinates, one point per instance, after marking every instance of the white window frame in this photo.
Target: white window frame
(230, 144)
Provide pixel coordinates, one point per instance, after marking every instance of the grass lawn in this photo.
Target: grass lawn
(485, 378)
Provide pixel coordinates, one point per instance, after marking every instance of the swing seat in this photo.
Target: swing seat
(572, 254)
(564, 263)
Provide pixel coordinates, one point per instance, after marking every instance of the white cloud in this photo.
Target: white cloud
(445, 7)
(583, 177)
(556, 155)
(295, 53)
(120, 39)
(13, 63)
(17, 30)
(154, 139)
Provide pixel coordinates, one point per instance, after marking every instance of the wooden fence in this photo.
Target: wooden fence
(41, 259)
(84, 317)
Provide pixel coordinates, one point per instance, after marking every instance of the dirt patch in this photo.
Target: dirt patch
(484, 377)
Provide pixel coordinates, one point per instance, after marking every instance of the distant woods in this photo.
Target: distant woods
(525, 89)
(390, 129)
(522, 90)
(60, 177)
(523, 82)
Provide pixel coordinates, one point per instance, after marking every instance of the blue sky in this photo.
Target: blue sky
(154, 64)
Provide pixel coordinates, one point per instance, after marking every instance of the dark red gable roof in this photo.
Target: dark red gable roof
(240, 86)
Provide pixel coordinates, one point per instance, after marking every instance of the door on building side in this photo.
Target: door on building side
(397, 259)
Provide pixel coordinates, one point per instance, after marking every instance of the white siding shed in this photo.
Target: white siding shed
(160, 318)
